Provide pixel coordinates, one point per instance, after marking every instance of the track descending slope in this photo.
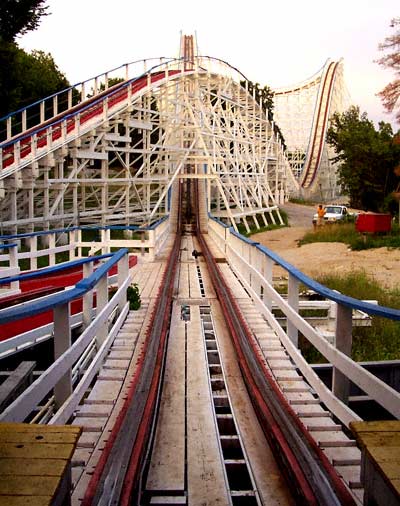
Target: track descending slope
(198, 424)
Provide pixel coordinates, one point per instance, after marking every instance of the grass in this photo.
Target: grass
(295, 200)
(347, 234)
(255, 230)
(380, 341)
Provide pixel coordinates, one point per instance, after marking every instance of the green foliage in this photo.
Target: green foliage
(18, 17)
(296, 200)
(366, 156)
(133, 296)
(380, 341)
(391, 60)
(265, 95)
(112, 81)
(26, 77)
(346, 233)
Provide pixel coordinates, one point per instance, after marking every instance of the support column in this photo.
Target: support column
(343, 342)
(101, 302)
(123, 273)
(87, 301)
(293, 301)
(62, 341)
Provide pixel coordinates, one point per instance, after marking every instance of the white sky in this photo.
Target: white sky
(277, 43)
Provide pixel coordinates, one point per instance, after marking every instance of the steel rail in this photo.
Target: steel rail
(117, 474)
(310, 474)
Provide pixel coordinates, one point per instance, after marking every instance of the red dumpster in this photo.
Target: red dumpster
(374, 222)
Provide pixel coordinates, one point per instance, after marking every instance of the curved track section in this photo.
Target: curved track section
(319, 128)
(302, 112)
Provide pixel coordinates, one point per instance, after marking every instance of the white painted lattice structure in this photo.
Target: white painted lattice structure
(302, 112)
(114, 158)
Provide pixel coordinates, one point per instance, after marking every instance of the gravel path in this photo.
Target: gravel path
(323, 258)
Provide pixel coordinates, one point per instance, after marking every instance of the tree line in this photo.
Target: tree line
(24, 77)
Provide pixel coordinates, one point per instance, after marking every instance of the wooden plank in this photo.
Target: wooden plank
(17, 379)
(23, 500)
(30, 427)
(36, 451)
(205, 475)
(29, 485)
(208, 286)
(32, 467)
(183, 292)
(194, 285)
(380, 426)
(33, 437)
(271, 485)
(233, 283)
(167, 468)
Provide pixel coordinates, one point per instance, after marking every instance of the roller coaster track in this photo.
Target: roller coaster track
(319, 128)
(119, 473)
(25, 148)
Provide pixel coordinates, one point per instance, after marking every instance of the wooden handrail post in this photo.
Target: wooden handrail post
(62, 342)
(267, 268)
(101, 302)
(343, 342)
(87, 302)
(293, 301)
(123, 273)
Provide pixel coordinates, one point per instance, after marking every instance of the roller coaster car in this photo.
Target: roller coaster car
(334, 213)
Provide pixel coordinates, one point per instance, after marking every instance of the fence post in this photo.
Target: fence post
(62, 342)
(152, 245)
(52, 245)
(268, 265)
(101, 302)
(123, 273)
(33, 249)
(343, 342)
(87, 301)
(13, 263)
(293, 301)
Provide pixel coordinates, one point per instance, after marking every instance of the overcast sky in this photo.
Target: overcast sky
(277, 43)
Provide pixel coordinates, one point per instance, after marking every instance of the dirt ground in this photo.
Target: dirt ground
(322, 258)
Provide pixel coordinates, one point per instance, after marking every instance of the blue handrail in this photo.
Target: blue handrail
(26, 310)
(40, 127)
(135, 228)
(345, 300)
(53, 269)
(73, 86)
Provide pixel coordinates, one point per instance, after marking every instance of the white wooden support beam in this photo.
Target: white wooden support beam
(24, 120)
(293, 301)
(101, 302)
(55, 105)
(87, 300)
(343, 342)
(152, 244)
(52, 245)
(9, 128)
(123, 273)
(267, 270)
(33, 249)
(62, 342)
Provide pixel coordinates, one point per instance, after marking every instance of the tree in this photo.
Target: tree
(27, 77)
(366, 156)
(265, 95)
(390, 95)
(18, 17)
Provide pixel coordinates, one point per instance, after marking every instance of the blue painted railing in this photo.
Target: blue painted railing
(350, 302)
(82, 287)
